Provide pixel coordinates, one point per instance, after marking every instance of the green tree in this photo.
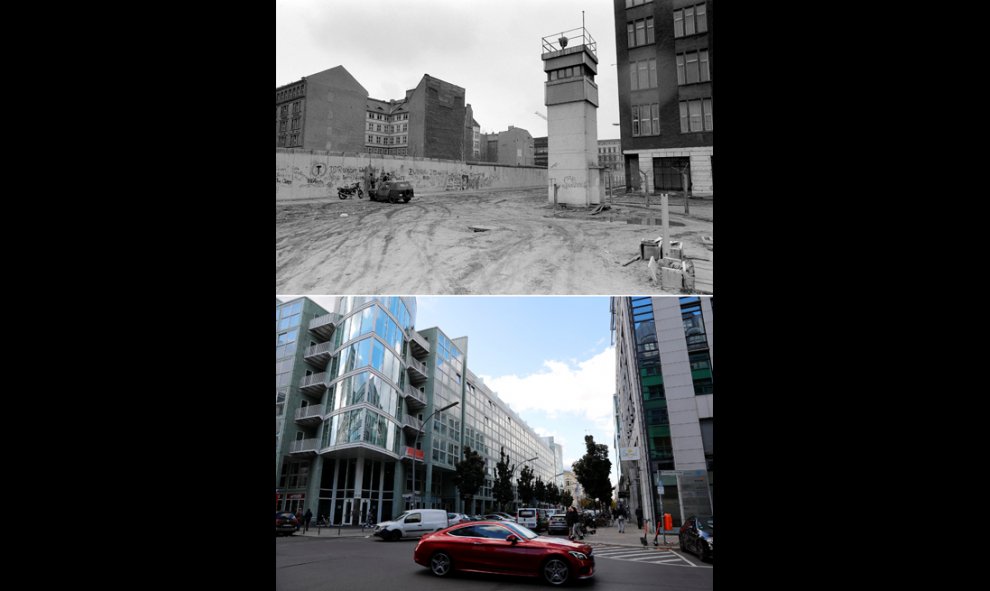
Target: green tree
(593, 469)
(502, 488)
(553, 493)
(566, 499)
(470, 474)
(540, 491)
(525, 484)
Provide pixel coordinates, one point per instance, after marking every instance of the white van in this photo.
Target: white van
(412, 524)
(528, 517)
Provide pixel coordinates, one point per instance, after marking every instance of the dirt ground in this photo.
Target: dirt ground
(427, 247)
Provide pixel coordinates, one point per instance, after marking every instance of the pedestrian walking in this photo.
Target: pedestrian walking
(307, 518)
(639, 518)
(299, 518)
(573, 521)
(621, 519)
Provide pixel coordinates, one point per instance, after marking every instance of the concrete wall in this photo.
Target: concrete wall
(303, 174)
(573, 153)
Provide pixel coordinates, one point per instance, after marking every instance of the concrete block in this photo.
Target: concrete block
(671, 278)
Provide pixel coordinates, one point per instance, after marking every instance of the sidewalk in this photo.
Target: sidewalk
(603, 535)
(344, 531)
(632, 537)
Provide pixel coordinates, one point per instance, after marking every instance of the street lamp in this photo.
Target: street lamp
(416, 441)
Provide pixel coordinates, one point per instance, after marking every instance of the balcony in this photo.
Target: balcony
(417, 370)
(412, 424)
(323, 326)
(319, 354)
(414, 398)
(304, 447)
(310, 415)
(314, 384)
(419, 346)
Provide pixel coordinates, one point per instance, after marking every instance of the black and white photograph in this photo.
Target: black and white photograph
(443, 147)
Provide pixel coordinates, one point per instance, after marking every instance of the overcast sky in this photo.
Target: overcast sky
(491, 48)
(549, 358)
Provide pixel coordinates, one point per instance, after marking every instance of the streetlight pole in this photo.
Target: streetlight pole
(416, 441)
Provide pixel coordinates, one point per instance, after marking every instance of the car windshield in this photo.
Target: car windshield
(707, 524)
(399, 518)
(525, 532)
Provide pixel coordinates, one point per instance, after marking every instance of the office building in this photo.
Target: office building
(666, 70)
(664, 348)
(359, 393)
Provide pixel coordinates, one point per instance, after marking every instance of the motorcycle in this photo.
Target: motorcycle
(350, 191)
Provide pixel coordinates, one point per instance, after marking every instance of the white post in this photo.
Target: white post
(665, 252)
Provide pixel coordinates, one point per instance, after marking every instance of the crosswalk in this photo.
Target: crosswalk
(650, 555)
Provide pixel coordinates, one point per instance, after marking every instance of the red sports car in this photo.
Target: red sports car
(504, 548)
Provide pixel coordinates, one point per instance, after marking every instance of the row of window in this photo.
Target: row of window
(289, 93)
(646, 120)
(695, 116)
(631, 3)
(640, 32)
(381, 117)
(571, 72)
(692, 67)
(290, 141)
(282, 124)
(387, 128)
(690, 21)
(387, 140)
(643, 74)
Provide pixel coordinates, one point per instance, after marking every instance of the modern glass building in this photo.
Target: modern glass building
(358, 398)
(664, 397)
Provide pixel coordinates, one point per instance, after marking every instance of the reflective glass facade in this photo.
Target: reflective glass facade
(353, 387)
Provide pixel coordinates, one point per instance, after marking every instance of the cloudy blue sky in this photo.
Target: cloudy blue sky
(491, 48)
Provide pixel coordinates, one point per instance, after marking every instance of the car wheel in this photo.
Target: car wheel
(702, 550)
(556, 571)
(391, 198)
(394, 536)
(406, 199)
(683, 545)
(440, 564)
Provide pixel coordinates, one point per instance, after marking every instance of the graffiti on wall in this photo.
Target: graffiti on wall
(300, 177)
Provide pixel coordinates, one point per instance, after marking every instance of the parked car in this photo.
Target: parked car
(499, 517)
(504, 548)
(558, 525)
(285, 523)
(527, 516)
(392, 191)
(412, 524)
(455, 518)
(697, 535)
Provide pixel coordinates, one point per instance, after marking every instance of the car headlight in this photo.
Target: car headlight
(578, 555)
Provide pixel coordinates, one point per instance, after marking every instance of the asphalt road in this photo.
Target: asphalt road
(315, 564)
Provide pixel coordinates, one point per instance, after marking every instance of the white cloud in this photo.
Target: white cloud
(576, 396)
